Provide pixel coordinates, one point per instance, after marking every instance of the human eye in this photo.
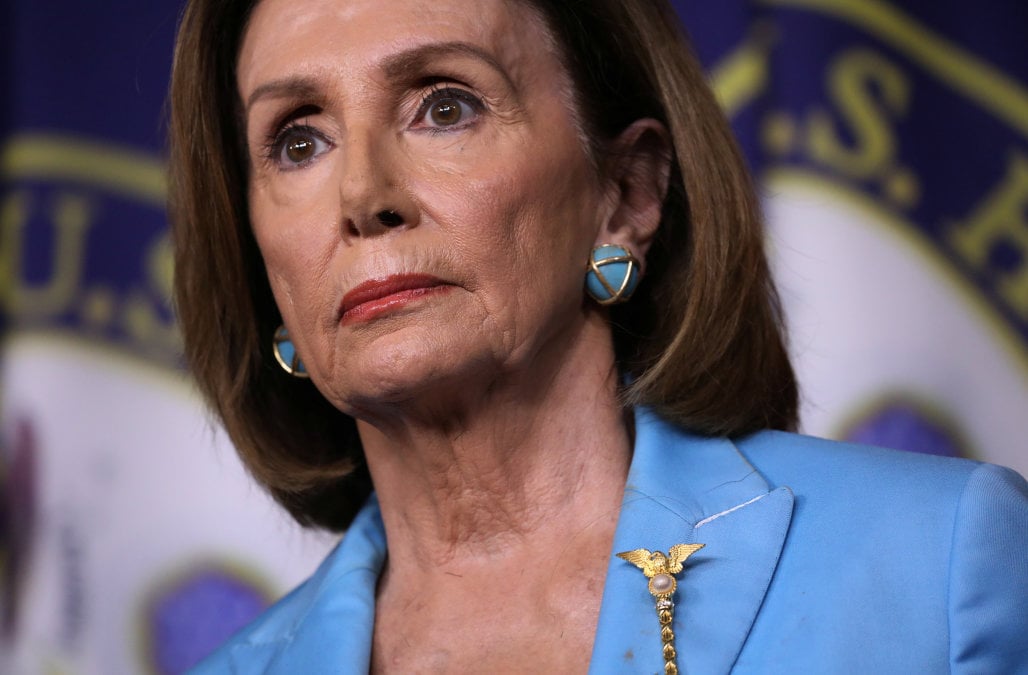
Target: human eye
(296, 145)
(447, 107)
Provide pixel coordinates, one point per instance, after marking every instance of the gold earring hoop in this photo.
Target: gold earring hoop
(286, 354)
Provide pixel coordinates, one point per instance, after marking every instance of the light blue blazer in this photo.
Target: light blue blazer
(820, 557)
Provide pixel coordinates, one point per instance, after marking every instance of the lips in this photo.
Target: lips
(380, 296)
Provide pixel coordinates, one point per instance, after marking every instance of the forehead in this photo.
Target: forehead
(286, 36)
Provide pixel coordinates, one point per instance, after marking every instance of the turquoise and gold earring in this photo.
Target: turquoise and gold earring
(286, 354)
(612, 274)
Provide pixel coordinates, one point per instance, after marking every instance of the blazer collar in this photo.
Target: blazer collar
(690, 489)
(681, 488)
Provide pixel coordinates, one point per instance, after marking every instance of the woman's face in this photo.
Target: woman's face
(419, 190)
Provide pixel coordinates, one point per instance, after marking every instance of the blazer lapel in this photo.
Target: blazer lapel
(328, 627)
(689, 489)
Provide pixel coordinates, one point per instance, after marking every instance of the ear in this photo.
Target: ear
(638, 165)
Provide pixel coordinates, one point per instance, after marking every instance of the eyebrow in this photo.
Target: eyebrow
(287, 87)
(399, 65)
(395, 67)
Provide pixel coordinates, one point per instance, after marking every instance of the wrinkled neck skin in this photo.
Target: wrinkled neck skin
(525, 466)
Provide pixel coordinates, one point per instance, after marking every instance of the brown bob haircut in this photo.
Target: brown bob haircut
(701, 341)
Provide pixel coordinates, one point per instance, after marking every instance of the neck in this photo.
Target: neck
(532, 463)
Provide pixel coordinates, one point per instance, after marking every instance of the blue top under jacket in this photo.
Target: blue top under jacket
(820, 557)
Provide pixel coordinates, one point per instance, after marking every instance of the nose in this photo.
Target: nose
(372, 197)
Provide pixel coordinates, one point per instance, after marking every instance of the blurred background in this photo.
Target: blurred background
(889, 139)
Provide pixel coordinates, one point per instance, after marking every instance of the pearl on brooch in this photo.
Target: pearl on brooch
(663, 583)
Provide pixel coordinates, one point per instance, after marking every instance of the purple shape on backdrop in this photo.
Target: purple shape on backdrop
(18, 506)
(901, 425)
(190, 619)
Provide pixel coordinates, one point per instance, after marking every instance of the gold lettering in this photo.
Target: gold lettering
(14, 214)
(160, 266)
(70, 218)
(868, 89)
(141, 318)
(1002, 217)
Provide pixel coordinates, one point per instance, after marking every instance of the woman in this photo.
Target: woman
(398, 200)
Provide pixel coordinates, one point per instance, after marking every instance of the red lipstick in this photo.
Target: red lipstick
(380, 296)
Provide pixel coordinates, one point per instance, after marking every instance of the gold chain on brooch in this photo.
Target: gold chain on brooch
(660, 570)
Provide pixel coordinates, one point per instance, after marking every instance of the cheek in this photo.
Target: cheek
(296, 240)
(552, 221)
(524, 228)
(524, 201)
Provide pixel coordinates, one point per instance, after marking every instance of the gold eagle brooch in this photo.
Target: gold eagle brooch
(661, 569)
